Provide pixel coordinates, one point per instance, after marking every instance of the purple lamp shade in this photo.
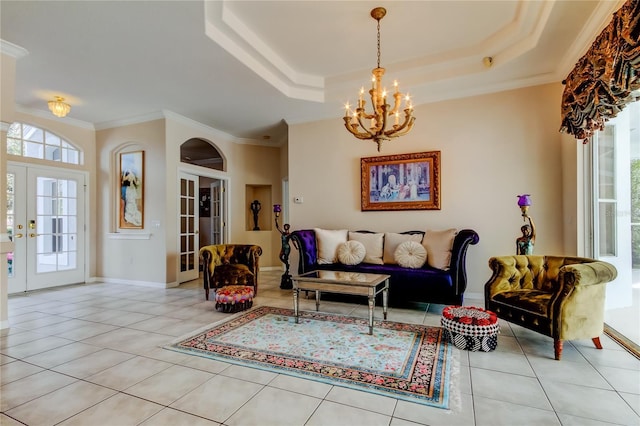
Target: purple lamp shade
(277, 208)
(524, 200)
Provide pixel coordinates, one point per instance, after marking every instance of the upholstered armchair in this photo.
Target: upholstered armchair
(230, 264)
(560, 297)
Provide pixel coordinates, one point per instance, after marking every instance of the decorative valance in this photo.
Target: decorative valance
(602, 82)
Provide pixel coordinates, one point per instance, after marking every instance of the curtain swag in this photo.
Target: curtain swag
(602, 82)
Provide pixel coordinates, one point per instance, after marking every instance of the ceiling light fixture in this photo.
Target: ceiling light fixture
(354, 120)
(58, 107)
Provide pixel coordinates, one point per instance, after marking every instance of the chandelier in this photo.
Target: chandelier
(375, 126)
(58, 107)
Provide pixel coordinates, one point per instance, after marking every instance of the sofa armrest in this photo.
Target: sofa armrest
(304, 241)
(458, 268)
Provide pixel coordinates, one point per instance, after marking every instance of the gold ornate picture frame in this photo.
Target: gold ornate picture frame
(131, 190)
(401, 182)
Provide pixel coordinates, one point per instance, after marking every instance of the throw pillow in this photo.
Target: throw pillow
(392, 241)
(328, 241)
(373, 245)
(351, 252)
(411, 254)
(439, 245)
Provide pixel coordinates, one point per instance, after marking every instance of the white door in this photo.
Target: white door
(46, 219)
(616, 149)
(188, 227)
(613, 207)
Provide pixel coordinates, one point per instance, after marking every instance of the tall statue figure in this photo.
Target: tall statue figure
(286, 282)
(525, 243)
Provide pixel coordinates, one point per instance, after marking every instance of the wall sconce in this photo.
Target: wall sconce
(285, 281)
(58, 107)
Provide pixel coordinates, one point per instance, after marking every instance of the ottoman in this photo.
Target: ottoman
(471, 328)
(234, 298)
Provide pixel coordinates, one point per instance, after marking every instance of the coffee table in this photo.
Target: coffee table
(355, 283)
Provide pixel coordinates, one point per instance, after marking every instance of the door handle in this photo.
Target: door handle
(18, 236)
(32, 235)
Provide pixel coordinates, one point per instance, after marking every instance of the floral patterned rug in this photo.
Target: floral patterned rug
(405, 361)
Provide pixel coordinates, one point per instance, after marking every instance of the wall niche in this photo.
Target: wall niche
(258, 195)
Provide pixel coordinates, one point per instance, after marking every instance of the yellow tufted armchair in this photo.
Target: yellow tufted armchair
(230, 264)
(560, 297)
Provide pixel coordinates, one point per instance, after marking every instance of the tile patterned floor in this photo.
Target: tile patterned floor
(90, 355)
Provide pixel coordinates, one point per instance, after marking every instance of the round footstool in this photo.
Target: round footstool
(234, 298)
(471, 328)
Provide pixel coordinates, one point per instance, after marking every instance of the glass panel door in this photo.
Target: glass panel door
(188, 228)
(217, 209)
(614, 219)
(47, 224)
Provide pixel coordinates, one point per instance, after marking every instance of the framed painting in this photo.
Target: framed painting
(131, 192)
(401, 182)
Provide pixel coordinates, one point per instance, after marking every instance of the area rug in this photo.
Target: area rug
(404, 361)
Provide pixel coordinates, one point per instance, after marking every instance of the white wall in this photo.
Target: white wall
(493, 148)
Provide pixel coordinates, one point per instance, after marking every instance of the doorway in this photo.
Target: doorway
(46, 222)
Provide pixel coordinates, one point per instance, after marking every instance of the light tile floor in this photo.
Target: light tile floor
(90, 355)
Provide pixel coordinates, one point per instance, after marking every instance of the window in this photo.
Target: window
(29, 141)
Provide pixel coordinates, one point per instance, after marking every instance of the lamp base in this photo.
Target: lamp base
(285, 282)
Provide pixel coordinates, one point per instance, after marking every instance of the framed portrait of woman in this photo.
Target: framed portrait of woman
(131, 194)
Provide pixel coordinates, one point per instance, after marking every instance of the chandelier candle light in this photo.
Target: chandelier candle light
(355, 120)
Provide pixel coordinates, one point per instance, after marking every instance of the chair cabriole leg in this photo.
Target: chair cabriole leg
(557, 347)
(596, 341)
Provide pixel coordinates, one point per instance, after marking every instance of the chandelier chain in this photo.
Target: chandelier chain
(378, 43)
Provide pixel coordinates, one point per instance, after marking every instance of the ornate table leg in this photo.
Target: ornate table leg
(295, 303)
(385, 298)
(372, 304)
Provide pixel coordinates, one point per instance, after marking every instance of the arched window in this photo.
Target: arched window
(201, 153)
(29, 141)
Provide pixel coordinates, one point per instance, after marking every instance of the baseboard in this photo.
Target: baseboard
(134, 282)
(474, 296)
(630, 346)
(4, 324)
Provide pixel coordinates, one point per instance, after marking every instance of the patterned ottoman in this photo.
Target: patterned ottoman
(234, 298)
(471, 328)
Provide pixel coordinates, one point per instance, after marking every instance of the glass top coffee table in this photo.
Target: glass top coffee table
(339, 282)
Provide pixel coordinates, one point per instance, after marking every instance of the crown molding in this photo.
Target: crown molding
(218, 134)
(143, 118)
(48, 116)
(12, 50)
(598, 20)
(232, 34)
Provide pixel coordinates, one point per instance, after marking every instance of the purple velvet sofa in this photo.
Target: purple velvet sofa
(406, 285)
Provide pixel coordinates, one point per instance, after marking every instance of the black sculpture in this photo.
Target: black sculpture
(285, 281)
(255, 208)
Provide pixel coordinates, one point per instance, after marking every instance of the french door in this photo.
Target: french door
(616, 214)
(188, 227)
(217, 212)
(46, 221)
